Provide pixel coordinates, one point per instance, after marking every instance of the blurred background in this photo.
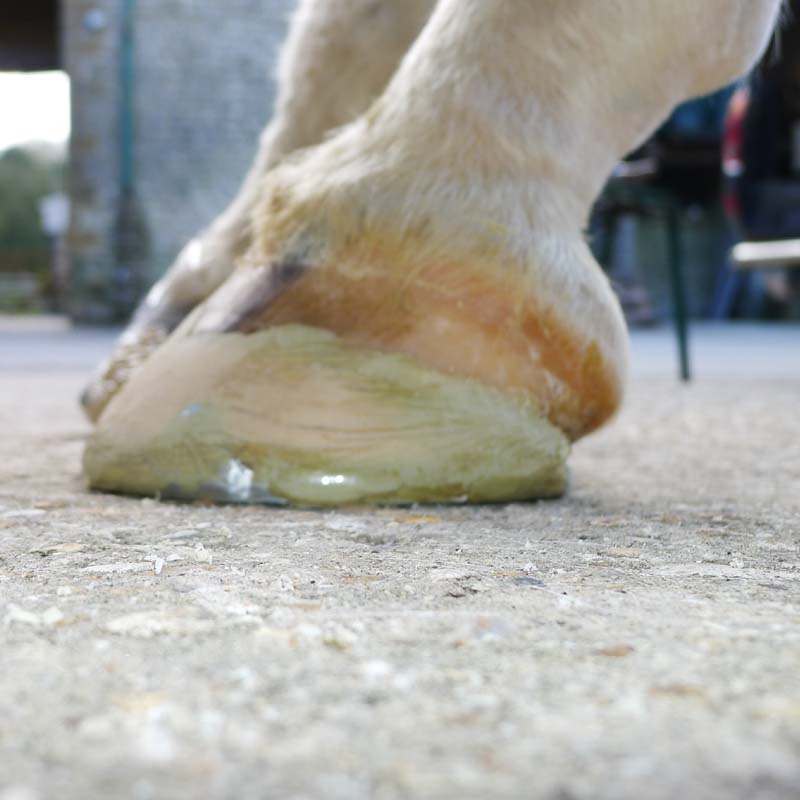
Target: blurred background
(128, 124)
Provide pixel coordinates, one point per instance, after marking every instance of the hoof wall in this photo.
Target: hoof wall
(294, 415)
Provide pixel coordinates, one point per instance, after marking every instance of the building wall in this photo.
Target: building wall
(202, 91)
(91, 57)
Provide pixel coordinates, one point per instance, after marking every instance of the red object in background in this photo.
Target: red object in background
(733, 165)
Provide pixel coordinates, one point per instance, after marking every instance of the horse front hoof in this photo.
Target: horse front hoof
(296, 415)
(132, 351)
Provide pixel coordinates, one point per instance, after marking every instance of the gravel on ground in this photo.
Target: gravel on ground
(638, 639)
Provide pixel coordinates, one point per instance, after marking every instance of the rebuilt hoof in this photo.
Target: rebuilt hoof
(113, 374)
(295, 414)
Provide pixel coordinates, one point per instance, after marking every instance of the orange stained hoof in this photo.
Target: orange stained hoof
(487, 323)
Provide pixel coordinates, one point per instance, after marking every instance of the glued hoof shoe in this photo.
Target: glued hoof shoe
(293, 414)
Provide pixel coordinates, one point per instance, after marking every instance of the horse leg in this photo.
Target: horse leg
(338, 56)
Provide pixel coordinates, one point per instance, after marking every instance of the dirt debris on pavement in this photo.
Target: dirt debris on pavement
(638, 639)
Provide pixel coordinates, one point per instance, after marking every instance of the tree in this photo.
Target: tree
(27, 174)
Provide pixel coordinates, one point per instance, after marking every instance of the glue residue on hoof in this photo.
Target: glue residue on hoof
(294, 415)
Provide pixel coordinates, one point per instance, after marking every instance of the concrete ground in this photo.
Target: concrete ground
(638, 639)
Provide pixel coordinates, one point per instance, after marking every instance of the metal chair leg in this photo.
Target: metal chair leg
(678, 285)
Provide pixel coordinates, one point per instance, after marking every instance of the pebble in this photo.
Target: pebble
(19, 616)
(615, 651)
(147, 625)
(528, 582)
(52, 617)
(346, 524)
(282, 584)
(376, 670)
(339, 637)
(202, 554)
(23, 513)
(117, 568)
(51, 550)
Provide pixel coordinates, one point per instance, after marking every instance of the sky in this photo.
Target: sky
(33, 107)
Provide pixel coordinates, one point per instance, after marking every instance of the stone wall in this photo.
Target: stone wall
(204, 72)
(202, 91)
(91, 56)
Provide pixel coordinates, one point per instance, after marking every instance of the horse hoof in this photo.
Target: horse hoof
(297, 415)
